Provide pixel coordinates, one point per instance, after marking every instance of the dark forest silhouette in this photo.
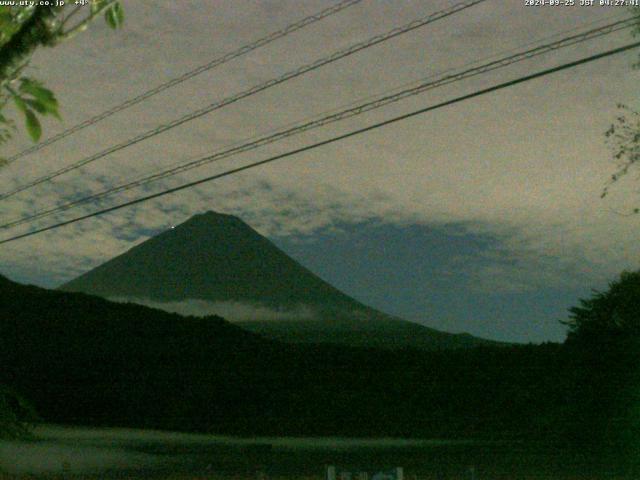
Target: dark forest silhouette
(83, 360)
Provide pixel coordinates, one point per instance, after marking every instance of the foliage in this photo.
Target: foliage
(610, 316)
(635, 11)
(23, 29)
(603, 343)
(84, 360)
(624, 139)
(623, 136)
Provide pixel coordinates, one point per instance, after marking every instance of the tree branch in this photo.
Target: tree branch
(81, 26)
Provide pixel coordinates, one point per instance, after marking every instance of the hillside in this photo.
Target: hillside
(83, 360)
(217, 258)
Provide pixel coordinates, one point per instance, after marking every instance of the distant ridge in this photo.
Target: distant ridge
(215, 257)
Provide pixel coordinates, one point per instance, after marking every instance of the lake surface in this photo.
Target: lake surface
(121, 453)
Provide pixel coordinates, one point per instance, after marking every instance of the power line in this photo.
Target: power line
(316, 17)
(337, 116)
(331, 140)
(377, 103)
(252, 91)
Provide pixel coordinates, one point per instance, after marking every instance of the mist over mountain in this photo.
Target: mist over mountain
(217, 264)
(233, 311)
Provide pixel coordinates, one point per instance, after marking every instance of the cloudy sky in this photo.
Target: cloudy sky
(482, 217)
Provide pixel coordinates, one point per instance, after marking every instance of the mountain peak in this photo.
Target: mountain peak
(214, 257)
(210, 215)
(214, 220)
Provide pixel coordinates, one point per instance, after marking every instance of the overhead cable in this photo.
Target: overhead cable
(359, 131)
(332, 118)
(247, 93)
(188, 75)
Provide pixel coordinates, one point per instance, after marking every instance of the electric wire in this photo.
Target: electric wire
(334, 117)
(188, 75)
(352, 133)
(252, 91)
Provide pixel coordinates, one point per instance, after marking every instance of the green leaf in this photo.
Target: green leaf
(110, 17)
(114, 15)
(55, 113)
(33, 125)
(35, 88)
(44, 105)
(27, 83)
(37, 106)
(44, 100)
(6, 19)
(22, 106)
(119, 9)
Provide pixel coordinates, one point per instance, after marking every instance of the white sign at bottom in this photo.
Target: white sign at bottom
(337, 473)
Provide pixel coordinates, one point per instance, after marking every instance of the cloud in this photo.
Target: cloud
(232, 311)
(524, 166)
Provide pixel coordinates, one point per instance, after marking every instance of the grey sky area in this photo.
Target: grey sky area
(512, 179)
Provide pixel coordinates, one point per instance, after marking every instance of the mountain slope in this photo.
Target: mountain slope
(218, 258)
(82, 359)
